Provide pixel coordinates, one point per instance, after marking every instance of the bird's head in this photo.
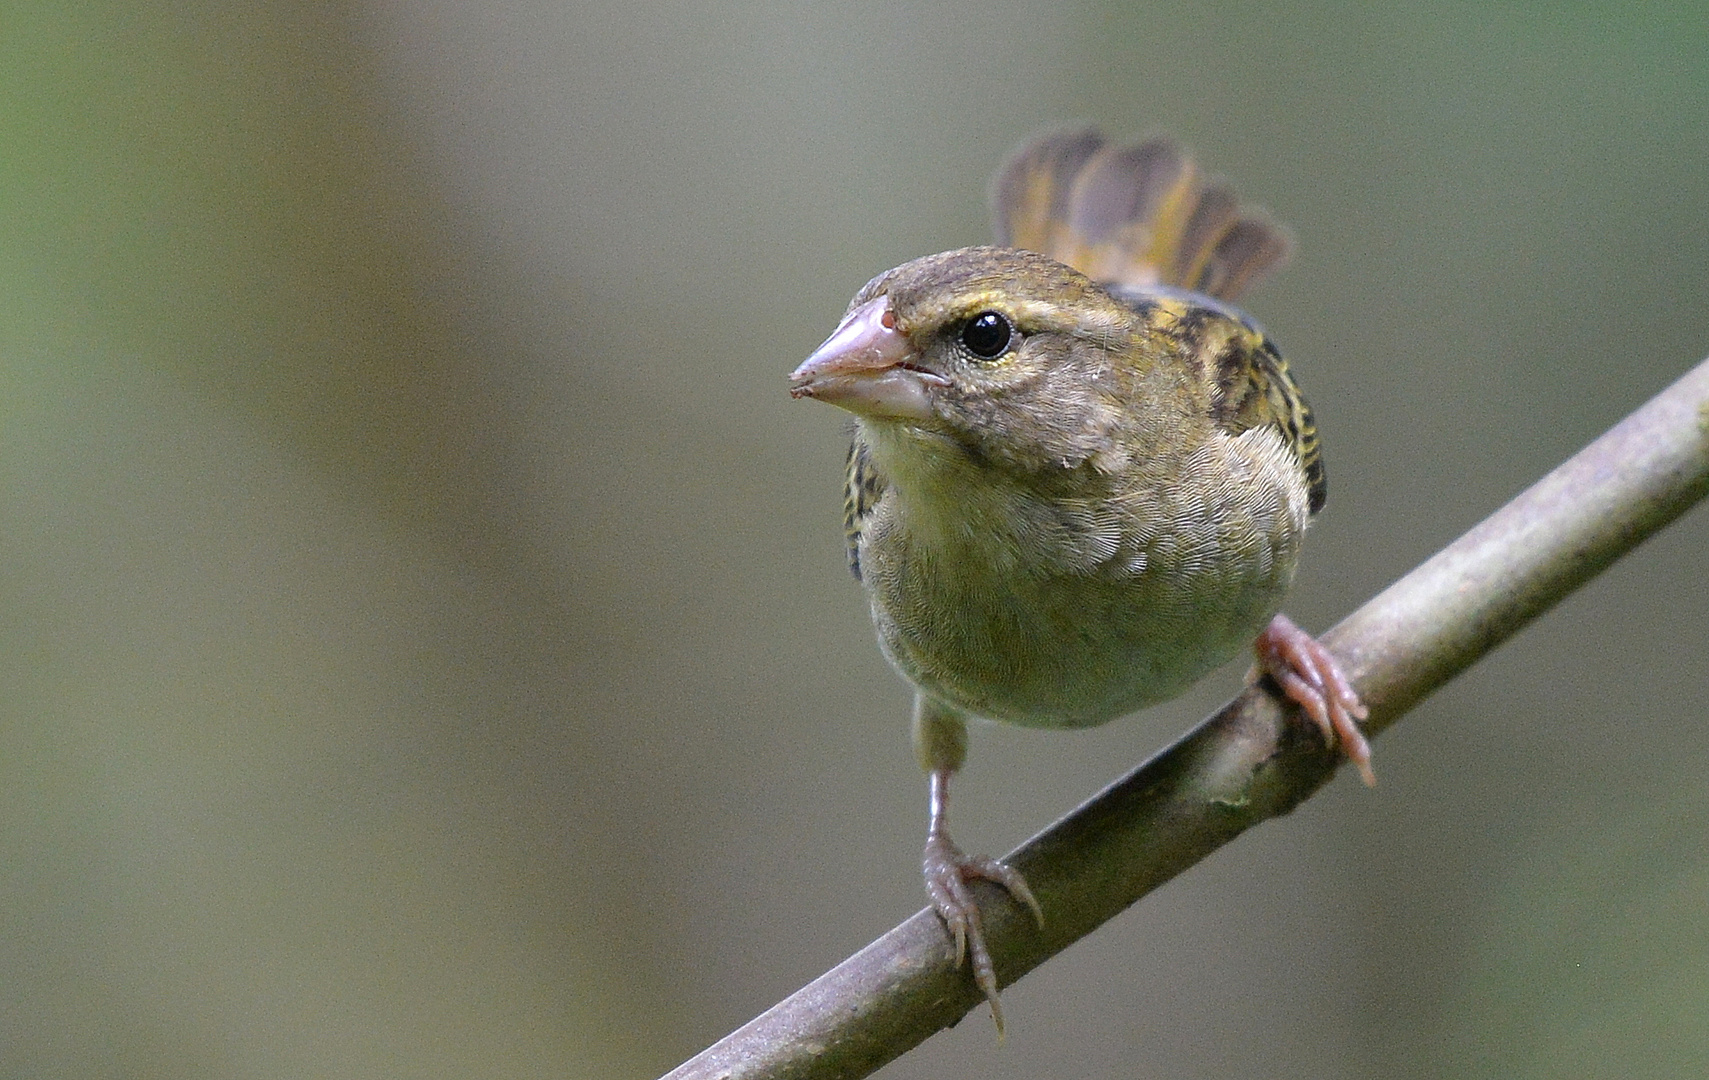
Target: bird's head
(1004, 351)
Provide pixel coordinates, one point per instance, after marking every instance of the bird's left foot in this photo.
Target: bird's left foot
(1310, 677)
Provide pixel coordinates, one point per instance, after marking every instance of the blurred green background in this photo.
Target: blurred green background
(425, 647)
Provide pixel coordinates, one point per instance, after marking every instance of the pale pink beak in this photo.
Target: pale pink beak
(866, 367)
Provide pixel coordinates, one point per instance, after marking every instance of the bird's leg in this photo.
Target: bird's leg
(940, 739)
(1310, 677)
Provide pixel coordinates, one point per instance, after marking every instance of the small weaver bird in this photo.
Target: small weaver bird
(1079, 477)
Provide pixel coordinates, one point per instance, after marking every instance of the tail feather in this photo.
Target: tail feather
(1030, 192)
(1132, 215)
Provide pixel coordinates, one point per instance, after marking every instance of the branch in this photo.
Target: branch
(1245, 764)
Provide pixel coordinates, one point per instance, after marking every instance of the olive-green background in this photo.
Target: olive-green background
(425, 647)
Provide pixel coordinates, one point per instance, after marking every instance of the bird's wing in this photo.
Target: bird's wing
(862, 488)
(1132, 215)
(1249, 382)
(1257, 390)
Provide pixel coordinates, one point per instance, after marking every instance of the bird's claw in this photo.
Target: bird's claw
(1312, 679)
(948, 872)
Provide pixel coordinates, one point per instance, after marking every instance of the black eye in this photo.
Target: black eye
(986, 335)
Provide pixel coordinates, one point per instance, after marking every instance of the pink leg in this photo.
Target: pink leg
(1312, 679)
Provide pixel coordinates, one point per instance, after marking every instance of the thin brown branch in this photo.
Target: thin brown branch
(1244, 765)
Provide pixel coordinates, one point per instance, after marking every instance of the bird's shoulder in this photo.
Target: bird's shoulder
(1242, 380)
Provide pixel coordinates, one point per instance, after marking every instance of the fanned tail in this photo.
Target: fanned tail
(1132, 215)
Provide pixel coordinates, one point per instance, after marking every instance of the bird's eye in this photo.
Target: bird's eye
(986, 335)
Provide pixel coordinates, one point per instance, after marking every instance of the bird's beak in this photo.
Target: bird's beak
(867, 367)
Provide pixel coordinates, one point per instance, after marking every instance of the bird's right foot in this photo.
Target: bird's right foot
(948, 873)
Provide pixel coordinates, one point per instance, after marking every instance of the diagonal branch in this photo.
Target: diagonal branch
(1244, 765)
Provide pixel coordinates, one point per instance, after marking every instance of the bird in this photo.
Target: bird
(1079, 477)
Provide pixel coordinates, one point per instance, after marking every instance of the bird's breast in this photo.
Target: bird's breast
(1068, 610)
